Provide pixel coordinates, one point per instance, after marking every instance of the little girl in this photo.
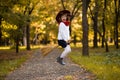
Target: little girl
(64, 37)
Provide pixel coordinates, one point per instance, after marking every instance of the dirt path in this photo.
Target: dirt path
(46, 68)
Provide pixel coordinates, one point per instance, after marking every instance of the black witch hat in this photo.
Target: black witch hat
(58, 17)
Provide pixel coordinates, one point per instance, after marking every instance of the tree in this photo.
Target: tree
(4, 8)
(8, 15)
(117, 8)
(85, 48)
(29, 7)
(94, 17)
(0, 30)
(103, 27)
(76, 6)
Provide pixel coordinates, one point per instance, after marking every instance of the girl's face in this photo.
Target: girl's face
(64, 17)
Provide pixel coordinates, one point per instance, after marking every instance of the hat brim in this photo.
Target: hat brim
(58, 17)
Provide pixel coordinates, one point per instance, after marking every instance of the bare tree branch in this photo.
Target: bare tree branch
(63, 4)
(92, 17)
(99, 33)
(76, 8)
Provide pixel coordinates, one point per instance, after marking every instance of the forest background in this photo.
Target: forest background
(27, 22)
(94, 29)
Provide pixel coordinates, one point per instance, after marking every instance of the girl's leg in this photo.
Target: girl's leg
(67, 49)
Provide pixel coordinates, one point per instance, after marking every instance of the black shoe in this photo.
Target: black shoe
(60, 61)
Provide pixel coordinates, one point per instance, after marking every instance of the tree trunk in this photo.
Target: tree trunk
(17, 45)
(104, 29)
(85, 48)
(46, 38)
(28, 11)
(116, 22)
(24, 37)
(70, 27)
(0, 31)
(28, 35)
(106, 44)
(75, 40)
(95, 45)
(103, 25)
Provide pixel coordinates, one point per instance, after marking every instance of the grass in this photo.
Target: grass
(9, 60)
(7, 66)
(20, 47)
(106, 66)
